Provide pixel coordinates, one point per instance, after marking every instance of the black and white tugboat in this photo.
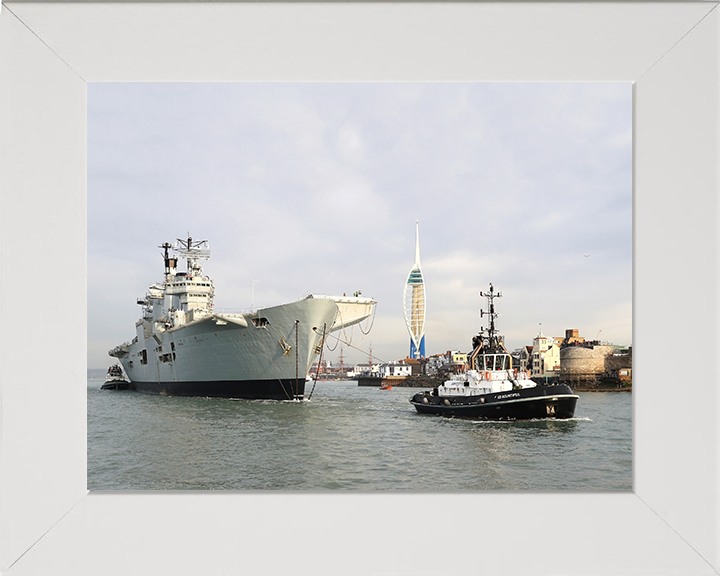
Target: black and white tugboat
(115, 379)
(491, 389)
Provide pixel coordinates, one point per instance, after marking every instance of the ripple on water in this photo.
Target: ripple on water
(348, 438)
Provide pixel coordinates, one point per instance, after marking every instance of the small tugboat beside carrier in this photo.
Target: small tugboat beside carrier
(491, 389)
(115, 379)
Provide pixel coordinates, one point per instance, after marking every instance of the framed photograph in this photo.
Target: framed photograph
(312, 196)
(49, 52)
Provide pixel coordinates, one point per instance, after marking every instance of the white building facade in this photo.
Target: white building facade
(395, 370)
(545, 357)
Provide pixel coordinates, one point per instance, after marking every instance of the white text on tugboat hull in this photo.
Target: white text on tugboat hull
(503, 396)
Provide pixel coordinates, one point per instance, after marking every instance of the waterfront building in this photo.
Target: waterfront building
(415, 364)
(393, 369)
(587, 362)
(414, 303)
(572, 336)
(433, 364)
(584, 362)
(457, 361)
(522, 358)
(365, 371)
(545, 356)
(449, 362)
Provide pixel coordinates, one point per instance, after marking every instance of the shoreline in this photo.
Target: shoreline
(432, 382)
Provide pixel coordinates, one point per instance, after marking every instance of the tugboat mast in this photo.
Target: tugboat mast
(491, 332)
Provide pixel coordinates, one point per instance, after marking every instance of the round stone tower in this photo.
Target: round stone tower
(583, 363)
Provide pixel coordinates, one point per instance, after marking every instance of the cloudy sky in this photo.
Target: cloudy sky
(316, 187)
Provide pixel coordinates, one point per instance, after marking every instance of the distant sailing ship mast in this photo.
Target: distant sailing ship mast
(414, 303)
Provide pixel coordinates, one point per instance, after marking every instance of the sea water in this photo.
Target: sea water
(348, 437)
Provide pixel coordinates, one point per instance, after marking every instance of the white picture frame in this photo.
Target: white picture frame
(49, 523)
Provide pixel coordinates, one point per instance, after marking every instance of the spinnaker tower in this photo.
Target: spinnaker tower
(414, 303)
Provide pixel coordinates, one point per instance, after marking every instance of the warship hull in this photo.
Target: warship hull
(264, 354)
(249, 389)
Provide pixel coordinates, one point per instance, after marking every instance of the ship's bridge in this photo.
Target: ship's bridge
(493, 362)
(186, 292)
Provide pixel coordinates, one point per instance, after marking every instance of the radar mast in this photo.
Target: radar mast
(192, 251)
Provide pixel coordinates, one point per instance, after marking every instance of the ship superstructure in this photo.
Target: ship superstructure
(183, 347)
